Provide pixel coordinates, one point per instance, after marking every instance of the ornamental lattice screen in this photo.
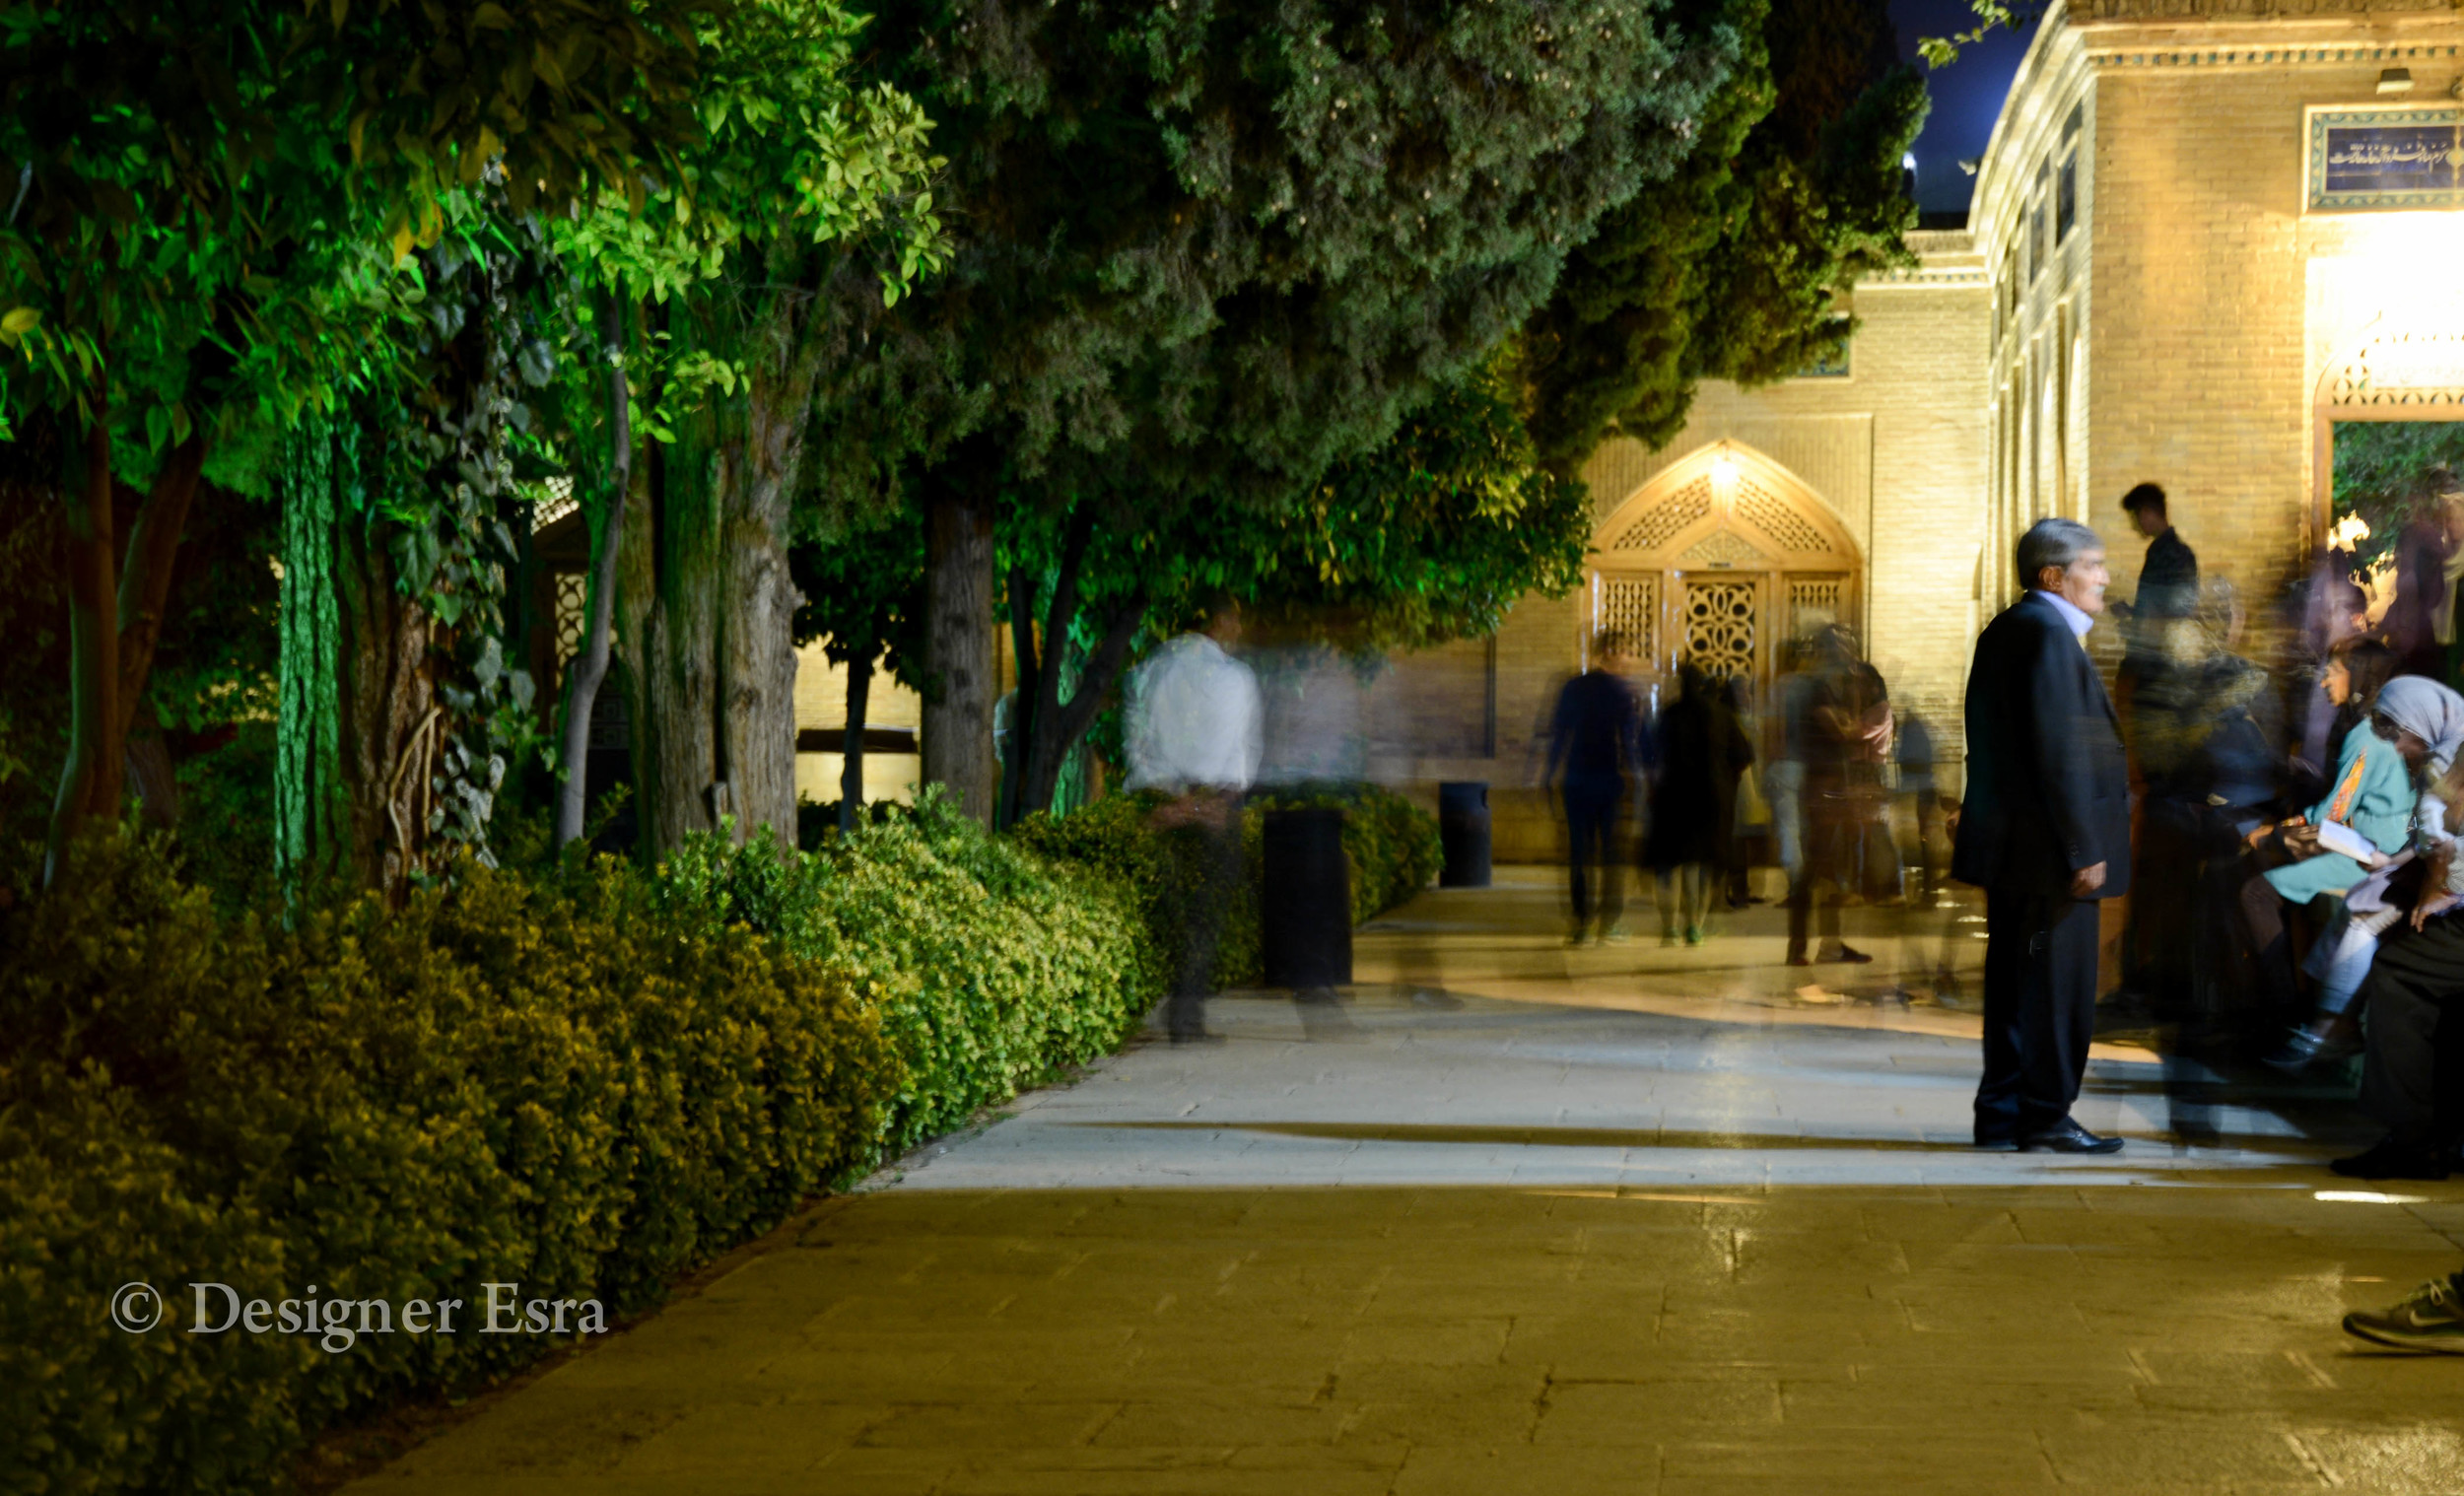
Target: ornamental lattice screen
(1720, 618)
(1629, 606)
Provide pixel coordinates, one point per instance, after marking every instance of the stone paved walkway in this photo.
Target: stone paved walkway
(1517, 1218)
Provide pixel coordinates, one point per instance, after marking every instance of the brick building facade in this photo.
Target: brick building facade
(2203, 235)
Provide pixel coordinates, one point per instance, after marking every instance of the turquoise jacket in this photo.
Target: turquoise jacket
(2372, 793)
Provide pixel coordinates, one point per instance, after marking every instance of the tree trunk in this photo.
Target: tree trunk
(589, 666)
(668, 571)
(852, 777)
(1060, 725)
(91, 781)
(958, 643)
(144, 585)
(709, 611)
(757, 662)
(145, 590)
(391, 722)
(1050, 725)
(149, 770)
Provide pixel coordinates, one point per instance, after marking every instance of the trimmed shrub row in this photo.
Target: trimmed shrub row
(586, 1081)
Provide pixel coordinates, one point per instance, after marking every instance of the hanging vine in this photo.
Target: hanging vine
(307, 781)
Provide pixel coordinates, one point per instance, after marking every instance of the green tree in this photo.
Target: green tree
(2391, 474)
(1735, 271)
(200, 237)
(700, 330)
(1429, 538)
(1211, 248)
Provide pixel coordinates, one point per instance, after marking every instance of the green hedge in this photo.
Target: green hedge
(589, 1082)
(993, 968)
(585, 1080)
(1390, 845)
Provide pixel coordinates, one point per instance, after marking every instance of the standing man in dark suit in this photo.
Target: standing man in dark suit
(2045, 831)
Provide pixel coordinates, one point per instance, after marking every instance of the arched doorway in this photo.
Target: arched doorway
(1723, 557)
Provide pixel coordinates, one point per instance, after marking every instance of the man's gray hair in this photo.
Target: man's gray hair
(2053, 543)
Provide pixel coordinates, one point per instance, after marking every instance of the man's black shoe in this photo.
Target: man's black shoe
(2068, 1136)
(1997, 1144)
(2391, 1159)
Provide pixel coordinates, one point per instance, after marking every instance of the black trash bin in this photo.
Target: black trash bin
(1463, 829)
(1305, 901)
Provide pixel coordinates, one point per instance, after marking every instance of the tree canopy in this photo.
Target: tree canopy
(1733, 271)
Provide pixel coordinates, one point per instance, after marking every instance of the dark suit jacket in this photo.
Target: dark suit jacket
(2048, 790)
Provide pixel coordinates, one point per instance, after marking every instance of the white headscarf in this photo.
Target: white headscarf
(2430, 711)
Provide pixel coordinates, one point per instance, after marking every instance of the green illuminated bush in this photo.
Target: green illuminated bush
(586, 1081)
(557, 1085)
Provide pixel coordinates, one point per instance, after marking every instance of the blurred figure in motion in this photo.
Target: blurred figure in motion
(1848, 849)
(1784, 784)
(2169, 587)
(2045, 831)
(1196, 730)
(2429, 558)
(1701, 752)
(2327, 612)
(1595, 747)
(1750, 824)
(1915, 754)
(2205, 729)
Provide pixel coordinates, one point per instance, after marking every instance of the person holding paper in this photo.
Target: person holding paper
(2359, 823)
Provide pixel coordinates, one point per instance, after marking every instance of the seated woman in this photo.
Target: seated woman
(2371, 793)
(2357, 671)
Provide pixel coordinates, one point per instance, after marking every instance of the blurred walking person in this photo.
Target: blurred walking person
(1915, 753)
(1595, 744)
(2045, 831)
(1693, 803)
(1848, 848)
(1197, 730)
(1751, 822)
(1784, 784)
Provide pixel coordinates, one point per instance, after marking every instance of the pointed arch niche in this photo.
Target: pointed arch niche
(1722, 555)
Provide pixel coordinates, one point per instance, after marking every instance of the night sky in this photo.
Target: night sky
(1968, 96)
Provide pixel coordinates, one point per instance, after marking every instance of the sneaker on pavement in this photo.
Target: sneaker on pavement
(2432, 1320)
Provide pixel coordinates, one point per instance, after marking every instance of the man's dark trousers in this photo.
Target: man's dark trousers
(2041, 1010)
(1592, 810)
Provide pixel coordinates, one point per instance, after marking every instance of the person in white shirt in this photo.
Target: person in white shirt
(1197, 730)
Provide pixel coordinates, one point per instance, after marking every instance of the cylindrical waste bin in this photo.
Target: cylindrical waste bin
(1463, 829)
(1305, 900)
